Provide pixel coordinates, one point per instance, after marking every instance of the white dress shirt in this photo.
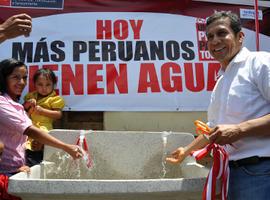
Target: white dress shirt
(242, 93)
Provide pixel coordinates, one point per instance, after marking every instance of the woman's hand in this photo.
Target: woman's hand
(177, 156)
(24, 168)
(74, 150)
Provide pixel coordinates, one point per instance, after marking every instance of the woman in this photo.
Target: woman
(15, 125)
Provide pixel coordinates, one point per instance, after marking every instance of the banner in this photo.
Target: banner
(122, 61)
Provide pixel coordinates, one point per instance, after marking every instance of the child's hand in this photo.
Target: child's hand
(36, 146)
(177, 156)
(38, 110)
(32, 103)
(24, 168)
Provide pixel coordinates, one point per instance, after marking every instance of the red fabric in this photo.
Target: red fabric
(182, 7)
(71, 6)
(219, 171)
(4, 189)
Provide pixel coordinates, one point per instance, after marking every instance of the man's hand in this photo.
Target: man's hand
(177, 156)
(225, 134)
(14, 26)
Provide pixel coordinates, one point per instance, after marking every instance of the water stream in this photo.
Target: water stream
(165, 135)
(62, 165)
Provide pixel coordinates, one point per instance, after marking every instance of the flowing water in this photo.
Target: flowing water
(165, 135)
(62, 165)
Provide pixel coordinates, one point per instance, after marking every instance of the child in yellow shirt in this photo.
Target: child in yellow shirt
(43, 106)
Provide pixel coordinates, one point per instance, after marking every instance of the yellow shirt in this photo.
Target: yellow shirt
(51, 102)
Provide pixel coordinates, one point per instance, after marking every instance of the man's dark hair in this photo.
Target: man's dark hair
(235, 22)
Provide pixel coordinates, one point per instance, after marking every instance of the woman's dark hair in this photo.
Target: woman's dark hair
(7, 66)
(235, 22)
(48, 73)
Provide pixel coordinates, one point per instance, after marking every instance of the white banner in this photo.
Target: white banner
(122, 61)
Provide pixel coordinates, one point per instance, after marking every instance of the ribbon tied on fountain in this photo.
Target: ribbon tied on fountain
(82, 143)
(219, 169)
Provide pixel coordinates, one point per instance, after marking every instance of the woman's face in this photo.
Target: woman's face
(16, 82)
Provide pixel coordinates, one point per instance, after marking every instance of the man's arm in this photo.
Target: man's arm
(227, 134)
(181, 153)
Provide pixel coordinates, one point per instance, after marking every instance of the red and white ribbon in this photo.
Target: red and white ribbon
(219, 171)
(86, 154)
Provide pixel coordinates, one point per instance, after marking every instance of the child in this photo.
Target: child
(43, 106)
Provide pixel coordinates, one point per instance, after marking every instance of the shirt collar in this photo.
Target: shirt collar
(240, 57)
(52, 94)
(10, 100)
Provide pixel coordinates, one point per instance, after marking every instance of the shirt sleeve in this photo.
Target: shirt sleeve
(57, 102)
(261, 71)
(13, 118)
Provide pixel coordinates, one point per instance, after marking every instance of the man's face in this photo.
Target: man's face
(222, 43)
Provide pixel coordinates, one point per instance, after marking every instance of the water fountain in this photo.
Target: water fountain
(126, 165)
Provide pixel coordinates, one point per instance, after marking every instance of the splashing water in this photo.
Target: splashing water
(164, 155)
(63, 165)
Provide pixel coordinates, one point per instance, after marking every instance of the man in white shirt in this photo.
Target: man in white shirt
(239, 109)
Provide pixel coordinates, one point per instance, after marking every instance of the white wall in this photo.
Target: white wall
(153, 121)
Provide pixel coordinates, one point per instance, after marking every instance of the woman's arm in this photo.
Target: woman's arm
(227, 134)
(45, 138)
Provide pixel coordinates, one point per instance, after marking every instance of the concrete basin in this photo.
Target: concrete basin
(126, 165)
